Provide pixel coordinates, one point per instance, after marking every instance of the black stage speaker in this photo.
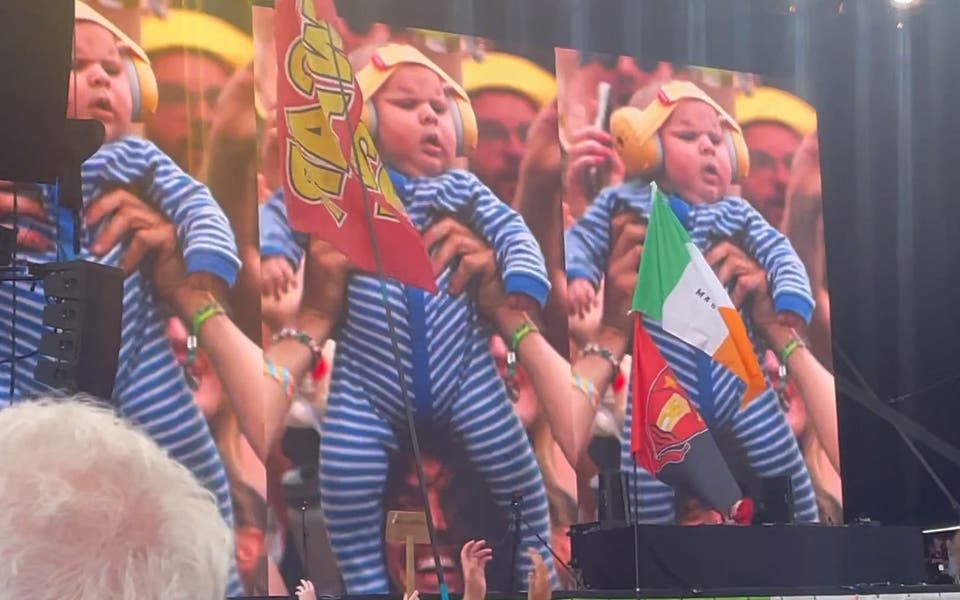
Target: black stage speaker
(80, 342)
(774, 504)
(751, 560)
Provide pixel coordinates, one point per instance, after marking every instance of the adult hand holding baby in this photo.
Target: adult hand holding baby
(27, 205)
(733, 266)
(628, 234)
(324, 300)
(450, 240)
(154, 239)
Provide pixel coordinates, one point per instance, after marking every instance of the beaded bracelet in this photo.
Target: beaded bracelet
(289, 333)
(522, 330)
(593, 349)
(281, 375)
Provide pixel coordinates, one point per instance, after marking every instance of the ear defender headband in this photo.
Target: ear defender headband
(143, 83)
(382, 65)
(636, 132)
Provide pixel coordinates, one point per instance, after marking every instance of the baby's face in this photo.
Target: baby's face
(415, 131)
(696, 158)
(99, 87)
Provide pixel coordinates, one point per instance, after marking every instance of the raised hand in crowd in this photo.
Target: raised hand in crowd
(542, 161)
(539, 197)
(474, 557)
(305, 590)
(538, 582)
(803, 224)
(590, 150)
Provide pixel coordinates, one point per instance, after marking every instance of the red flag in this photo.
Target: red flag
(664, 420)
(670, 439)
(329, 156)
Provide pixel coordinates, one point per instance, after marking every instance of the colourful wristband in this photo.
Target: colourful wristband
(200, 317)
(586, 386)
(789, 348)
(519, 333)
(281, 375)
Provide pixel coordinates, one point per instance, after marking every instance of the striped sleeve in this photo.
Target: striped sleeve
(277, 238)
(762, 432)
(203, 230)
(587, 243)
(790, 284)
(518, 254)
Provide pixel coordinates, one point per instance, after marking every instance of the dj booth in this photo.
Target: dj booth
(879, 593)
(701, 560)
(757, 563)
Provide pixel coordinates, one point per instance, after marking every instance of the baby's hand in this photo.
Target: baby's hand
(305, 591)
(538, 582)
(276, 276)
(581, 297)
(788, 318)
(519, 301)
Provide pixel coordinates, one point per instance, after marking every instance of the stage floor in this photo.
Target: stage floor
(933, 592)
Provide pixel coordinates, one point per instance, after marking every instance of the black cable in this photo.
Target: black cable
(391, 327)
(515, 550)
(924, 389)
(635, 488)
(13, 317)
(868, 399)
(303, 533)
(13, 359)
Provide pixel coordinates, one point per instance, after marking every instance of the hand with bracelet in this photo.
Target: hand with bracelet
(814, 382)
(568, 395)
(259, 387)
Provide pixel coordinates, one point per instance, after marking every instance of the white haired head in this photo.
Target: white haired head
(91, 508)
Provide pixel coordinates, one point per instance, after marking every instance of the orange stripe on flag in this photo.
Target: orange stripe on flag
(736, 353)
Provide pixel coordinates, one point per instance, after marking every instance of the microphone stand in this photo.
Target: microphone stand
(518, 519)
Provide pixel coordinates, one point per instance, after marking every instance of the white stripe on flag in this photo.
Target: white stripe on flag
(690, 309)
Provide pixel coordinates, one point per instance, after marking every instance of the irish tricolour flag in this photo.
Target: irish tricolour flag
(677, 287)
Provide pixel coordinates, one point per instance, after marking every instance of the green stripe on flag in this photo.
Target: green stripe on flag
(663, 260)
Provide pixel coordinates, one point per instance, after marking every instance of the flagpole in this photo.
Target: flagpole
(391, 326)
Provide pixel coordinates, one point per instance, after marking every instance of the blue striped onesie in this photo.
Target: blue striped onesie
(149, 388)
(444, 347)
(760, 430)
